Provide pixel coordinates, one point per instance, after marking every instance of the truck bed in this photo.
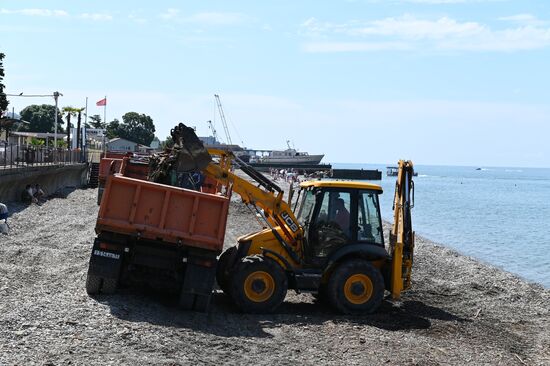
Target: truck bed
(164, 213)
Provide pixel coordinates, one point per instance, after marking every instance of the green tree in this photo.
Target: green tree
(3, 100)
(95, 121)
(137, 127)
(112, 129)
(41, 118)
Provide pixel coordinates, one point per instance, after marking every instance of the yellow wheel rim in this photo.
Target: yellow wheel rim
(358, 289)
(259, 286)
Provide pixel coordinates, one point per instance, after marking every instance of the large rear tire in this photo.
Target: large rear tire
(258, 285)
(356, 287)
(99, 285)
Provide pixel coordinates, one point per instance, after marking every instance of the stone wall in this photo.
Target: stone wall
(51, 178)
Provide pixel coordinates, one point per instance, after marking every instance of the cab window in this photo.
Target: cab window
(370, 229)
(308, 203)
(332, 226)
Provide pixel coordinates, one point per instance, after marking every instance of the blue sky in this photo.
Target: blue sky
(451, 82)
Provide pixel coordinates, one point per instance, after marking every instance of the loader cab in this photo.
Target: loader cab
(335, 214)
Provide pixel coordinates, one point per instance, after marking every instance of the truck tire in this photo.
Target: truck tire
(93, 284)
(196, 302)
(356, 287)
(258, 285)
(202, 302)
(223, 275)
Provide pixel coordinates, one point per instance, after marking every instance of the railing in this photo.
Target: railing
(14, 156)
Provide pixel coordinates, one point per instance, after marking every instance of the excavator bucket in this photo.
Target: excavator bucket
(191, 153)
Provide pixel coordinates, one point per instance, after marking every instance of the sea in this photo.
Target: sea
(498, 215)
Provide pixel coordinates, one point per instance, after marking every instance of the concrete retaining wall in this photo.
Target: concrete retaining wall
(51, 178)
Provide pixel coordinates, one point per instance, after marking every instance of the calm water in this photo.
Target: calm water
(498, 215)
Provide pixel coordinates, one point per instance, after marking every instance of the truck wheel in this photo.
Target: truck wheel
(258, 285)
(93, 284)
(223, 275)
(202, 302)
(356, 287)
(196, 302)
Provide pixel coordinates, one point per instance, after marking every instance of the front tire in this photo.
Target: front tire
(258, 285)
(356, 287)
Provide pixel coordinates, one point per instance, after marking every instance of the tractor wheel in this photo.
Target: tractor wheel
(93, 284)
(258, 285)
(356, 287)
(223, 275)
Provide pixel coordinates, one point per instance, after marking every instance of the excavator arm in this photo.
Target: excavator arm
(401, 234)
(189, 155)
(263, 194)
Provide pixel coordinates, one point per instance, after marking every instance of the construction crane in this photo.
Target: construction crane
(213, 129)
(222, 116)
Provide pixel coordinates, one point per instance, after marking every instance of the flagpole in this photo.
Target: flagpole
(105, 121)
(83, 141)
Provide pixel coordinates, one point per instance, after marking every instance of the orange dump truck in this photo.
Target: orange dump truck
(113, 163)
(158, 235)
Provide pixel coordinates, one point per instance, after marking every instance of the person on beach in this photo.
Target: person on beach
(27, 195)
(4, 227)
(38, 193)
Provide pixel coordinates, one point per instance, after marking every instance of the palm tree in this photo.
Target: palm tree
(6, 124)
(69, 112)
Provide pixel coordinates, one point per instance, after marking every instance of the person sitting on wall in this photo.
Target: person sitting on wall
(27, 195)
(38, 193)
(4, 227)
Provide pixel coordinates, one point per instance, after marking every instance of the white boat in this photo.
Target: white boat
(288, 156)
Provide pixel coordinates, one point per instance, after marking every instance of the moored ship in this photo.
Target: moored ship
(288, 156)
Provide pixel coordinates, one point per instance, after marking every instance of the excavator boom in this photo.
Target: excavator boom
(402, 235)
(189, 154)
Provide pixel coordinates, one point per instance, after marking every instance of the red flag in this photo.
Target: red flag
(102, 102)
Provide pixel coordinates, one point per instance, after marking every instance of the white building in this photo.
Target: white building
(120, 144)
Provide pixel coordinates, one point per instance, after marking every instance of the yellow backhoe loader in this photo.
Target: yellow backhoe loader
(329, 243)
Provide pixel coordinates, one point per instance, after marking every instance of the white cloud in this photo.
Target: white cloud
(56, 13)
(214, 18)
(443, 2)
(137, 19)
(96, 16)
(354, 46)
(408, 32)
(170, 13)
(36, 12)
(524, 19)
(204, 18)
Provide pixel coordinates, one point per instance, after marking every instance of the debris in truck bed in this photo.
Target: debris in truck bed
(188, 154)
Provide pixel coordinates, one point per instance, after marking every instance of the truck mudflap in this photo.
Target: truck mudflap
(196, 291)
(106, 260)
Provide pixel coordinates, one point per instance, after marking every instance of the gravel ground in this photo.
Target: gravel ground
(459, 311)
